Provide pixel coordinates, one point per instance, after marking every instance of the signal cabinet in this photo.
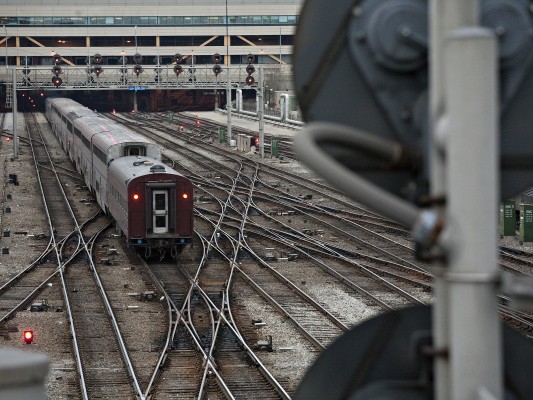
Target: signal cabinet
(526, 223)
(507, 218)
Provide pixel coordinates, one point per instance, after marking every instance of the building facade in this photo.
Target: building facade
(36, 30)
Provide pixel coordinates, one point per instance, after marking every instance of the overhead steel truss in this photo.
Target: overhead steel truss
(124, 77)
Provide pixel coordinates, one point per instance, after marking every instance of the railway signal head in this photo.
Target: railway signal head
(56, 59)
(28, 336)
(250, 69)
(217, 58)
(178, 69)
(197, 122)
(217, 69)
(250, 80)
(138, 69)
(56, 69)
(250, 58)
(137, 58)
(97, 59)
(57, 81)
(178, 58)
(98, 70)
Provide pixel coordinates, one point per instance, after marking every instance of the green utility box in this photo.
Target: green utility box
(526, 222)
(221, 135)
(507, 218)
(274, 150)
(170, 116)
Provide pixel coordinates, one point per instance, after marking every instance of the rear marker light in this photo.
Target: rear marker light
(135, 197)
(185, 196)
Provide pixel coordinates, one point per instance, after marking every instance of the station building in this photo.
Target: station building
(34, 31)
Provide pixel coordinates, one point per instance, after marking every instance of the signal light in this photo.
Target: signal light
(8, 139)
(56, 80)
(137, 58)
(138, 69)
(56, 70)
(28, 336)
(250, 69)
(56, 59)
(98, 70)
(197, 122)
(185, 196)
(257, 141)
(136, 196)
(250, 58)
(178, 58)
(41, 93)
(217, 69)
(181, 128)
(97, 59)
(217, 58)
(178, 69)
(250, 80)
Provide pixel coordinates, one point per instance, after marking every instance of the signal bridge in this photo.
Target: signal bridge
(129, 77)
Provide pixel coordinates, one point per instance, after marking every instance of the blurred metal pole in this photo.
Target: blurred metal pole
(444, 15)
(472, 164)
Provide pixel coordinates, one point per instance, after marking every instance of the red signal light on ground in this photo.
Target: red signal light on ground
(257, 141)
(197, 122)
(136, 196)
(28, 336)
(8, 139)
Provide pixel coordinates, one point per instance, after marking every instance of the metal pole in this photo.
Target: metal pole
(280, 46)
(444, 16)
(475, 351)
(15, 138)
(5, 29)
(261, 113)
(228, 82)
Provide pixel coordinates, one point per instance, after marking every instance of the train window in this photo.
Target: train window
(160, 211)
(69, 126)
(86, 142)
(134, 151)
(100, 154)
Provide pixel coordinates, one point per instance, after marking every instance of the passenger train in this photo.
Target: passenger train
(151, 203)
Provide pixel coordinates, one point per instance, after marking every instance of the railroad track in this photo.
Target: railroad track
(83, 294)
(243, 207)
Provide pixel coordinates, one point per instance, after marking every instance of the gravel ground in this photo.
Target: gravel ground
(22, 214)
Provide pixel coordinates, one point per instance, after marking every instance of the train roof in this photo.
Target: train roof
(113, 134)
(131, 167)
